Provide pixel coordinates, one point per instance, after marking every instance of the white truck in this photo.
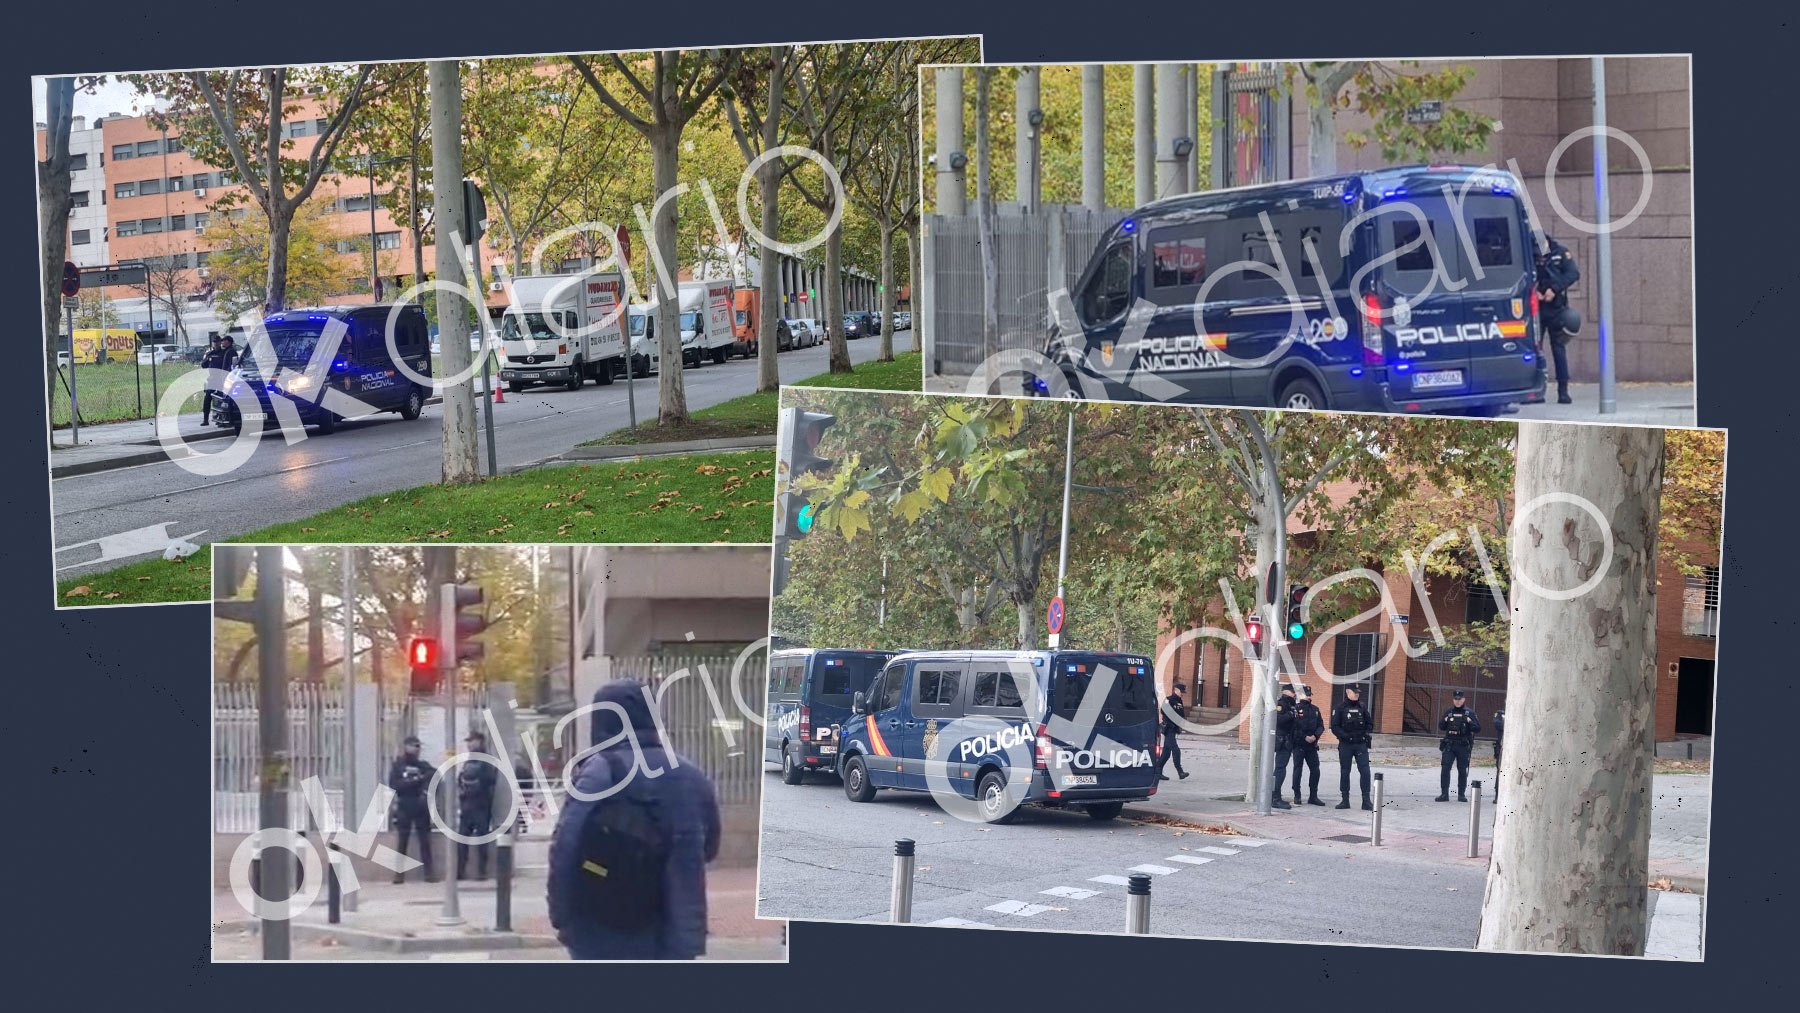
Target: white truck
(705, 322)
(563, 330)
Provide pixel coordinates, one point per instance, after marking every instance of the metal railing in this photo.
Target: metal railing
(704, 715)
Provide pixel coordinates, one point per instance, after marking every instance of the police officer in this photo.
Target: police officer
(1284, 745)
(475, 781)
(1556, 272)
(221, 356)
(410, 777)
(1499, 733)
(1309, 724)
(1351, 723)
(1459, 725)
(1173, 708)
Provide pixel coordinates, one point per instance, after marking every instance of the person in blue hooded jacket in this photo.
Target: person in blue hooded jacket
(687, 816)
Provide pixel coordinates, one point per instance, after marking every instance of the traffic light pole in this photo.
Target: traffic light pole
(1274, 638)
(451, 915)
(1062, 553)
(277, 870)
(75, 402)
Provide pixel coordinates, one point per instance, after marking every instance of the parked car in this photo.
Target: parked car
(815, 331)
(854, 326)
(792, 334)
(904, 323)
(158, 354)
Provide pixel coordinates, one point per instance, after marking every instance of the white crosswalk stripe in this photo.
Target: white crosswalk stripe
(1155, 870)
(961, 923)
(1110, 880)
(1211, 850)
(1018, 907)
(1071, 892)
(1188, 859)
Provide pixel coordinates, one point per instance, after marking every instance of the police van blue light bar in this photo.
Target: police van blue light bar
(1402, 366)
(1128, 225)
(1356, 371)
(1529, 356)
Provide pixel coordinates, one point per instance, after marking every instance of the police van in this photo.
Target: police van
(1064, 729)
(810, 691)
(1407, 289)
(324, 384)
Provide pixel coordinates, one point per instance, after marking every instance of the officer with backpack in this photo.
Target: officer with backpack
(628, 860)
(475, 781)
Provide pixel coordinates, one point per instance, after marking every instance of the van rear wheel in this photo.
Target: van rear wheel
(1105, 810)
(576, 376)
(605, 377)
(791, 770)
(991, 796)
(1300, 393)
(856, 781)
(415, 403)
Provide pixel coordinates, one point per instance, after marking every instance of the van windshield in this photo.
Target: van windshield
(838, 677)
(294, 342)
(532, 326)
(1132, 692)
(637, 324)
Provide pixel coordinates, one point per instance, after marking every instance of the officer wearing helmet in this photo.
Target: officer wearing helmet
(1556, 273)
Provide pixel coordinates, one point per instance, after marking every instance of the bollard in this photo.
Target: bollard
(333, 892)
(1137, 904)
(1475, 820)
(903, 882)
(503, 872)
(1375, 817)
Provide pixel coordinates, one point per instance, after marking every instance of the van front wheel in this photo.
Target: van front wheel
(1302, 393)
(791, 770)
(576, 376)
(856, 781)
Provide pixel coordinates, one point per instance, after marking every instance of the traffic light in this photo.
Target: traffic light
(461, 628)
(800, 451)
(1296, 598)
(1253, 636)
(426, 661)
(474, 212)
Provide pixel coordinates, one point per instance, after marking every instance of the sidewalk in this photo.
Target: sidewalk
(1655, 404)
(1412, 821)
(398, 922)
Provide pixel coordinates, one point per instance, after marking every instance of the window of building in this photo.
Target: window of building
(1482, 607)
(123, 151)
(345, 246)
(175, 145)
(1700, 603)
(201, 257)
(320, 125)
(149, 148)
(151, 225)
(78, 199)
(359, 202)
(177, 184)
(178, 223)
(124, 189)
(78, 163)
(300, 128)
(200, 218)
(147, 187)
(387, 240)
(79, 237)
(200, 180)
(127, 229)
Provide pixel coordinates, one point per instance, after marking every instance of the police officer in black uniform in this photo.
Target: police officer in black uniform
(1309, 724)
(475, 781)
(1284, 745)
(1352, 725)
(1556, 272)
(1499, 733)
(221, 356)
(1459, 725)
(410, 777)
(1173, 708)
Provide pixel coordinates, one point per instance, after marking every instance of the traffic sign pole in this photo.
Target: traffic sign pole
(624, 251)
(1062, 553)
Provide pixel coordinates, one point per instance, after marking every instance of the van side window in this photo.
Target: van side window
(892, 681)
(1176, 261)
(1403, 231)
(1109, 290)
(937, 688)
(996, 691)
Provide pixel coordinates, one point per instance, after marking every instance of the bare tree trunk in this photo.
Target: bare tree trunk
(887, 294)
(1321, 138)
(1027, 626)
(275, 283)
(1570, 869)
(671, 390)
(53, 218)
(459, 457)
(834, 301)
(418, 221)
(768, 181)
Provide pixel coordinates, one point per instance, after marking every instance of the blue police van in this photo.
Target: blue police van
(810, 692)
(1408, 289)
(363, 366)
(1062, 729)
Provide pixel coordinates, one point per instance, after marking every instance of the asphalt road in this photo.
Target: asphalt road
(825, 858)
(282, 482)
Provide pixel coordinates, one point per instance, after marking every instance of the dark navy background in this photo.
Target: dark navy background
(108, 868)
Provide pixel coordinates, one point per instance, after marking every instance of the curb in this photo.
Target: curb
(641, 451)
(388, 942)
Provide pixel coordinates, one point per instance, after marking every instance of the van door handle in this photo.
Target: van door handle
(893, 722)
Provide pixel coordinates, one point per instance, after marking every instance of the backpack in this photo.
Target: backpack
(623, 849)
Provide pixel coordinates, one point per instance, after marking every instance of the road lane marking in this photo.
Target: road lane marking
(1071, 892)
(1188, 859)
(1154, 870)
(1211, 850)
(1110, 880)
(1019, 908)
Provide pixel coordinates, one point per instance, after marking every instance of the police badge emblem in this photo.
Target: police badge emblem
(1518, 308)
(1106, 352)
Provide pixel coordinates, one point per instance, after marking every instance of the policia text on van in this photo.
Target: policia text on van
(1403, 290)
(1054, 728)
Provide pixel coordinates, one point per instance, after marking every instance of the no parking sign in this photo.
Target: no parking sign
(1055, 616)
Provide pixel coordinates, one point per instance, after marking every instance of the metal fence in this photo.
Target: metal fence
(710, 706)
(1038, 254)
(315, 717)
(1432, 677)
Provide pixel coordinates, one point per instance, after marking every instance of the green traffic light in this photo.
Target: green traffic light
(1296, 631)
(804, 520)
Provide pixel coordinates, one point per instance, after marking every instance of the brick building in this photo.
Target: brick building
(1538, 102)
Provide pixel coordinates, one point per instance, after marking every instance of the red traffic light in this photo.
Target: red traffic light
(1253, 631)
(71, 280)
(422, 654)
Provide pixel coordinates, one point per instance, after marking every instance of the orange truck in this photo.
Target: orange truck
(746, 320)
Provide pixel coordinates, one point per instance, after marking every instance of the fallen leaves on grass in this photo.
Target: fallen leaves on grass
(78, 591)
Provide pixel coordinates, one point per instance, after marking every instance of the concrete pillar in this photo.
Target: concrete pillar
(1171, 121)
(1192, 108)
(951, 198)
(1093, 136)
(1144, 132)
(1027, 180)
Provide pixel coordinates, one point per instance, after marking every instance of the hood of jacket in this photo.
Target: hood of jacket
(633, 697)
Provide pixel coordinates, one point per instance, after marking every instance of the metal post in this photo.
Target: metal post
(952, 192)
(75, 402)
(1062, 553)
(1144, 131)
(374, 249)
(1603, 243)
(352, 810)
(1025, 139)
(1375, 818)
(503, 871)
(1093, 137)
(1137, 904)
(903, 882)
(487, 356)
(1475, 820)
(452, 910)
(1171, 180)
(272, 732)
(333, 893)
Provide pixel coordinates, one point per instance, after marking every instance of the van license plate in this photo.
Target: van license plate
(1078, 780)
(252, 417)
(1438, 378)
(826, 750)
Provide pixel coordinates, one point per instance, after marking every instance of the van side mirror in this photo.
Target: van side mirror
(857, 702)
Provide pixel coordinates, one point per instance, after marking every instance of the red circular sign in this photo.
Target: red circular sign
(1055, 615)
